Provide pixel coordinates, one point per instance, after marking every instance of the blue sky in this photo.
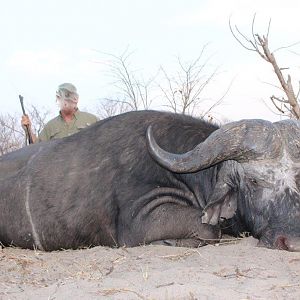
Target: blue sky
(45, 43)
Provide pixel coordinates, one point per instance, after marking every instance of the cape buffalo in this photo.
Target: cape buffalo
(111, 184)
(258, 179)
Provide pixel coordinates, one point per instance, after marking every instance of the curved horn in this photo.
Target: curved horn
(240, 141)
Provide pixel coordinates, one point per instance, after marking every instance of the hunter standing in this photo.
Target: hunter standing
(70, 119)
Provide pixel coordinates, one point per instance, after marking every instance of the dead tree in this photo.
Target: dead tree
(183, 90)
(109, 108)
(12, 136)
(289, 105)
(38, 118)
(132, 92)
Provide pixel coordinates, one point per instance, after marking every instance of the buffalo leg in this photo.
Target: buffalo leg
(169, 221)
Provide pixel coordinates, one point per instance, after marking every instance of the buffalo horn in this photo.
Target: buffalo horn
(241, 141)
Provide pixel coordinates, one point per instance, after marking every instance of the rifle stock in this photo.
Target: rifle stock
(27, 129)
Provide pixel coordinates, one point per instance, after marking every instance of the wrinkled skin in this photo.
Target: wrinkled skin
(270, 203)
(110, 185)
(265, 202)
(258, 191)
(101, 187)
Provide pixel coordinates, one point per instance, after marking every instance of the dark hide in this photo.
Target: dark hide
(257, 186)
(101, 187)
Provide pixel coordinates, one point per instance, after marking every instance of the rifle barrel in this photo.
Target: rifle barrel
(22, 104)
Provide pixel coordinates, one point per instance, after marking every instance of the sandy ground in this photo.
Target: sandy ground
(235, 270)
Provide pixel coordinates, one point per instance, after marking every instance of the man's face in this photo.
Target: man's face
(67, 105)
(67, 101)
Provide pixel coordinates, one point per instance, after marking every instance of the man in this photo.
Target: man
(70, 119)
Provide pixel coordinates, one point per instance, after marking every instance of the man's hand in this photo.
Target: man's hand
(25, 122)
(26, 125)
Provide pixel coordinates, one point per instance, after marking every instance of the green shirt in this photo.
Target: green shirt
(58, 128)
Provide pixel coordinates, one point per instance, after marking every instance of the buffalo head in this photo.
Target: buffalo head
(258, 183)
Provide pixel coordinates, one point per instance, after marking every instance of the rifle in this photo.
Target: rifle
(28, 132)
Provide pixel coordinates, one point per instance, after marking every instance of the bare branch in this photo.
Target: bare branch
(12, 136)
(238, 40)
(219, 101)
(261, 46)
(287, 47)
(183, 91)
(131, 90)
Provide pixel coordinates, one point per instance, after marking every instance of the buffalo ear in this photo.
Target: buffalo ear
(222, 203)
(223, 208)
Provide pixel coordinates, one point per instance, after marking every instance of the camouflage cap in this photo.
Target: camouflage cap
(67, 86)
(67, 91)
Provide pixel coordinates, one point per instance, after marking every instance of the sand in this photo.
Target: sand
(229, 270)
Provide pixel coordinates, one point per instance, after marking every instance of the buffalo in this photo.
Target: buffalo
(154, 177)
